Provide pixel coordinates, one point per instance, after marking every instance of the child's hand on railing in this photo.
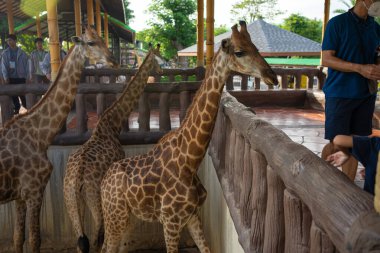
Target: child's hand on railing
(337, 159)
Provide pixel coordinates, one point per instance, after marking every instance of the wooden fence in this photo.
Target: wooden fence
(283, 197)
(173, 88)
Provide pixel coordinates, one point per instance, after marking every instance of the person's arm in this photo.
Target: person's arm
(343, 142)
(4, 69)
(370, 71)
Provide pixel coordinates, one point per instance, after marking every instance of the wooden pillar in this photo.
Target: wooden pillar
(55, 60)
(78, 13)
(98, 18)
(38, 25)
(90, 12)
(200, 34)
(106, 29)
(11, 28)
(210, 32)
(326, 16)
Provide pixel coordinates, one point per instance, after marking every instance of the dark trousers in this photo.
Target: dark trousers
(40, 79)
(15, 99)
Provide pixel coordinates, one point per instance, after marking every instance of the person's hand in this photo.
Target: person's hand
(370, 71)
(48, 76)
(337, 159)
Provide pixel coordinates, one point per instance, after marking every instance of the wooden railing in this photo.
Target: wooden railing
(171, 89)
(281, 196)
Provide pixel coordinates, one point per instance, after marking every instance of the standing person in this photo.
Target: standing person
(15, 68)
(46, 67)
(36, 59)
(349, 50)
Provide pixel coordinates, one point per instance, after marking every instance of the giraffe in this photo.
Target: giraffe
(87, 165)
(24, 140)
(162, 185)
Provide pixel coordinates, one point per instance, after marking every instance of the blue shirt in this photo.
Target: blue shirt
(353, 40)
(365, 150)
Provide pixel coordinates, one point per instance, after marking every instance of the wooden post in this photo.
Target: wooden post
(55, 60)
(377, 187)
(164, 117)
(106, 29)
(200, 34)
(11, 28)
(326, 16)
(78, 14)
(319, 241)
(98, 18)
(210, 32)
(90, 12)
(38, 25)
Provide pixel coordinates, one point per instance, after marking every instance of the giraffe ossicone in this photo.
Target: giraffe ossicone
(162, 185)
(24, 140)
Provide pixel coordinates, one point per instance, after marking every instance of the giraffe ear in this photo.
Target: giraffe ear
(76, 40)
(226, 46)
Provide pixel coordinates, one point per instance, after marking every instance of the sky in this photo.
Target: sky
(307, 8)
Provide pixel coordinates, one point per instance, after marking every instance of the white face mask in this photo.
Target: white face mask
(373, 9)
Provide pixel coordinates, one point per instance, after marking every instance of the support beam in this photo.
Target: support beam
(98, 18)
(38, 25)
(106, 29)
(90, 12)
(326, 16)
(200, 33)
(210, 32)
(55, 61)
(11, 27)
(77, 11)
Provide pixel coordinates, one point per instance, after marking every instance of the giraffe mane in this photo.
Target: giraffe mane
(17, 117)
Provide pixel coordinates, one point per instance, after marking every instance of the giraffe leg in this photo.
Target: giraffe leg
(116, 220)
(94, 204)
(19, 231)
(34, 207)
(195, 228)
(171, 233)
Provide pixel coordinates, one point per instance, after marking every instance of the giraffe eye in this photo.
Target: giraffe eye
(91, 43)
(239, 54)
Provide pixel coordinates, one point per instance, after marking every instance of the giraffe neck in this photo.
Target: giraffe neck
(113, 119)
(198, 125)
(49, 114)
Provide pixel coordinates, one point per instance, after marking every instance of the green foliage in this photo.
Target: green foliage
(250, 10)
(128, 12)
(26, 42)
(173, 26)
(219, 30)
(308, 28)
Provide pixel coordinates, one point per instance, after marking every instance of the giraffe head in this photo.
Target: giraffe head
(244, 57)
(94, 48)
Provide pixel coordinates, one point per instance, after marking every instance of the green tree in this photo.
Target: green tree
(250, 10)
(219, 30)
(348, 3)
(128, 12)
(173, 26)
(26, 42)
(308, 28)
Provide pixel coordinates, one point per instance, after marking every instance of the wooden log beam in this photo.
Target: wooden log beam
(11, 27)
(98, 18)
(90, 12)
(297, 224)
(78, 17)
(106, 35)
(55, 59)
(200, 33)
(319, 241)
(258, 196)
(210, 32)
(334, 201)
(38, 25)
(274, 219)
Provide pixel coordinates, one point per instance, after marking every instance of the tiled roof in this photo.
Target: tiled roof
(270, 40)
